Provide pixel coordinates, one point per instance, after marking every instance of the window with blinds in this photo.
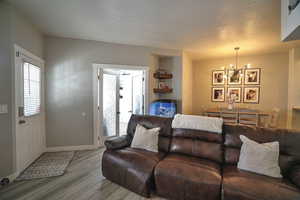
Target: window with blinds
(32, 89)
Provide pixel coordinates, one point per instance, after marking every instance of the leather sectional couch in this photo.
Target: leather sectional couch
(193, 164)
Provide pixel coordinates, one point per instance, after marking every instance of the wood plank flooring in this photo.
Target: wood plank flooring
(83, 180)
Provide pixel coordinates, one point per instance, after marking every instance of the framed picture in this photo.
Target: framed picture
(162, 85)
(251, 94)
(235, 93)
(218, 94)
(252, 76)
(218, 77)
(235, 77)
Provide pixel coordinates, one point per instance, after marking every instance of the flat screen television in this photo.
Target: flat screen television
(163, 108)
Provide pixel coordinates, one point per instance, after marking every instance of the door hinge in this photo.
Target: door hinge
(17, 54)
(98, 76)
(98, 107)
(143, 79)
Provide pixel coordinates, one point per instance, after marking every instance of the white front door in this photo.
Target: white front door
(30, 112)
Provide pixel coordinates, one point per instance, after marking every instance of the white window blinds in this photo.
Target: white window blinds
(32, 89)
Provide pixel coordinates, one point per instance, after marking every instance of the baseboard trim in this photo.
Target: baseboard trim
(71, 148)
(13, 176)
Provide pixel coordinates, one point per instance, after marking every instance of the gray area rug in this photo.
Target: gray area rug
(47, 165)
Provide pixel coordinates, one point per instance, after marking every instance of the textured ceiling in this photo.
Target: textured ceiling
(204, 28)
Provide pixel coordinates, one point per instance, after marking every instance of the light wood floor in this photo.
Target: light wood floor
(83, 180)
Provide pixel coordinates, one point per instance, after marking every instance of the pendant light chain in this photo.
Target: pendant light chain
(236, 57)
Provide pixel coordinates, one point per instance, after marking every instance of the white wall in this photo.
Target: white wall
(15, 28)
(69, 83)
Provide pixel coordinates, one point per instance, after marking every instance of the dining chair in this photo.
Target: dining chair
(213, 114)
(249, 118)
(273, 118)
(229, 117)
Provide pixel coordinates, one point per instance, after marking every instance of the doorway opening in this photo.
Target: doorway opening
(121, 93)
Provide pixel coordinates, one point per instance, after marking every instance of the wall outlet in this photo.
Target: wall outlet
(3, 108)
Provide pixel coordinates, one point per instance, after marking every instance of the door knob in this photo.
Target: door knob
(22, 122)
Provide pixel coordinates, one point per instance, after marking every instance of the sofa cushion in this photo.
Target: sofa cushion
(131, 168)
(201, 144)
(188, 178)
(242, 185)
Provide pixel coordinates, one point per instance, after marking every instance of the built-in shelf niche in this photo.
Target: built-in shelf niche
(171, 68)
(297, 108)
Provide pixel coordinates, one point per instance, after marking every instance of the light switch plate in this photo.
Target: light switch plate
(3, 108)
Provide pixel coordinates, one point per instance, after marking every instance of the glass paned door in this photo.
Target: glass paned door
(110, 98)
(123, 95)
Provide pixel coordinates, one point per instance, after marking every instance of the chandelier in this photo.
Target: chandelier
(237, 71)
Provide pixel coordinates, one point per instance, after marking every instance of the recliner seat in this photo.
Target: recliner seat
(241, 185)
(133, 168)
(193, 166)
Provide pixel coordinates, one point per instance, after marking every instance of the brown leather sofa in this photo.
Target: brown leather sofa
(194, 164)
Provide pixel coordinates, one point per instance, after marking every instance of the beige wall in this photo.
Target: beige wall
(26, 35)
(187, 84)
(274, 82)
(69, 83)
(293, 89)
(6, 151)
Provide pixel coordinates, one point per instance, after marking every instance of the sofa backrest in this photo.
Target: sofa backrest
(197, 143)
(152, 122)
(289, 143)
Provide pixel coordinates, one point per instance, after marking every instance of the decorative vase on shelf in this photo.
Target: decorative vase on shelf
(230, 106)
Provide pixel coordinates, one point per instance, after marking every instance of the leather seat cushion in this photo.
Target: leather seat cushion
(188, 178)
(131, 168)
(242, 185)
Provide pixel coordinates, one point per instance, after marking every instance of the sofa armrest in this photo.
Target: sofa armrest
(117, 142)
(295, 175)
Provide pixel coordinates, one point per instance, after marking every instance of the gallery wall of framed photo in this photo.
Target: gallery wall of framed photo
(243, 85)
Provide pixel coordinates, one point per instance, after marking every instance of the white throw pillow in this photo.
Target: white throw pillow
(145, 138)
(260, 158)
